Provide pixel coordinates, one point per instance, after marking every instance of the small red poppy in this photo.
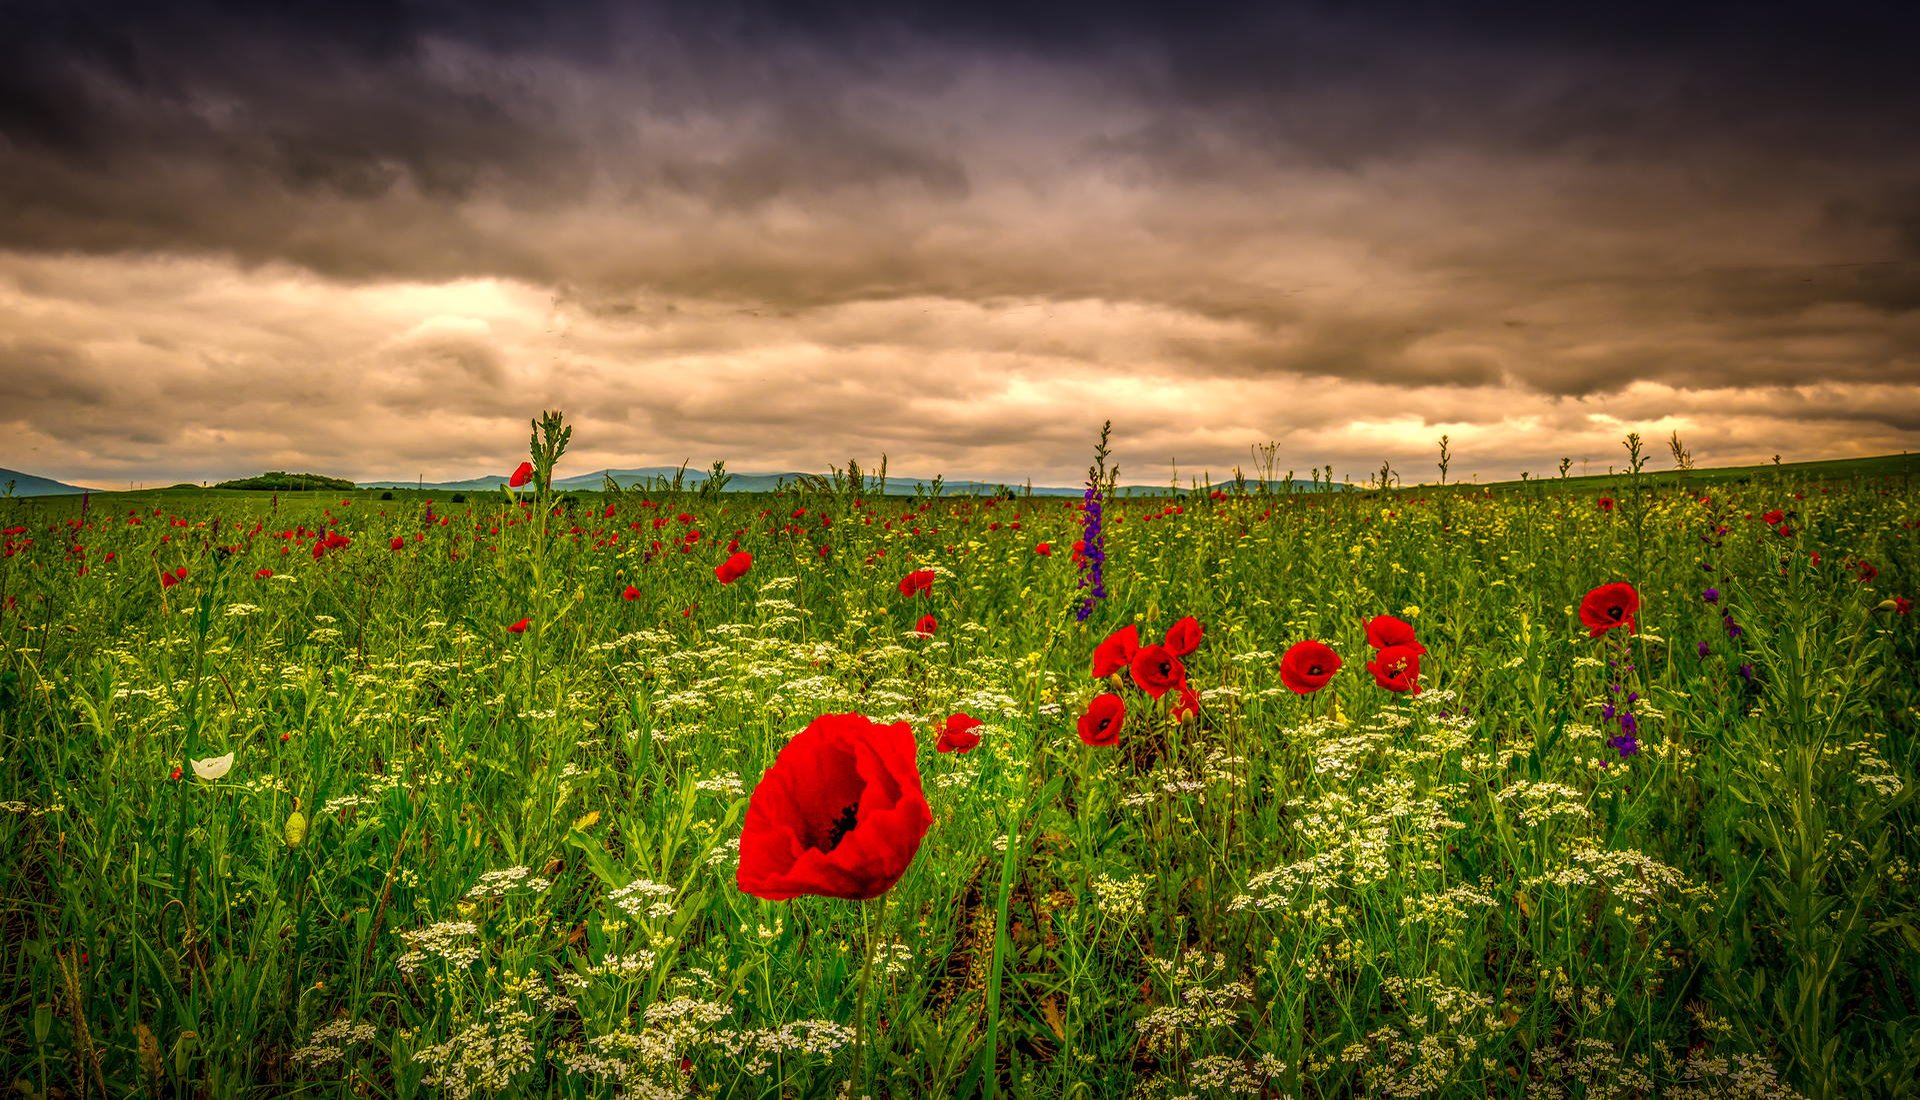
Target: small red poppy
(956, 734)
(1044, 549)
(1157, 671)
(734, 567)
(1609, 606)
(1307, 666)
(1100, 725)
(1186, 706)
(926, 626)
(840, 814)
(1606, 504)
(263, 574)
(520, 475)
(630, 593)
(1397, 668)
(1184, 636)
(1116, 652)
(1773, 518)
(1385, 630)
(519, 627)
(917, 583)
(398, 543)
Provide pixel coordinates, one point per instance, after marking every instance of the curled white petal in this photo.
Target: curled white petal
(213, 767)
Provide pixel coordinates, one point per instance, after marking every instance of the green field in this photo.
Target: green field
(453, 860)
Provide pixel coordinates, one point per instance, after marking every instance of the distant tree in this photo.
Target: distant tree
(280, 481)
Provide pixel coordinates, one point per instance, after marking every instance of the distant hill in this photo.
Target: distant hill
(644, 476)
(280, 481)
(27, 485)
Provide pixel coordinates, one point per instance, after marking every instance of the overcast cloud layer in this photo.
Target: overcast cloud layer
(373, 243)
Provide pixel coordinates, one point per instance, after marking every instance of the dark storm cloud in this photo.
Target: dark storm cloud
(773, 232)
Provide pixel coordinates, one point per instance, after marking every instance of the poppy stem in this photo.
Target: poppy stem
(873, 930)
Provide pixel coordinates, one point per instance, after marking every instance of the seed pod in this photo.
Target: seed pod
(296, 830)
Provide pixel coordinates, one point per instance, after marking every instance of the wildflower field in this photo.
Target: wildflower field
(1595, 788)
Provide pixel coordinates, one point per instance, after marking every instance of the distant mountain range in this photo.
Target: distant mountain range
(27, 485)
(647, 476)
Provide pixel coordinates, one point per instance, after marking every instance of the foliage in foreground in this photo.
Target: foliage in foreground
(450, 859)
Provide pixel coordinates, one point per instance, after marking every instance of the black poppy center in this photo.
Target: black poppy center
(1164, 668)
(1615, 612)
(1313, 670)
(842, 825)
(1102, 727)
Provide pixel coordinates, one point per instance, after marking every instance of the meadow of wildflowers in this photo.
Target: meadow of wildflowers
(1581, 788)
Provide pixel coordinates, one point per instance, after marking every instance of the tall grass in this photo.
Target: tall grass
(454, 860)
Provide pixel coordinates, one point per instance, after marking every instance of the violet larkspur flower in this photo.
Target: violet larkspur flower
(1094, 578)
(1703, 648)
(1625, 744)
(1746, 673)
(1711, 595)
(1733, 629)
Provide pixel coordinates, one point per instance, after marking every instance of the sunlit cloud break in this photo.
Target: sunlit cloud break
(238, 239)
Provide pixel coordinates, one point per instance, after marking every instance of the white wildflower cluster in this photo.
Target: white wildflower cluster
(1636, 882)
(727, 783)
(1196, 1006)
(1121, 899)
(495, 884)
(642, 897)
(1872, 771)
(1357, 841)
(634, 964)
(484, 1056)
(330, 1042)
(1592, 1069)
(242, 610)
(725, 854)
(893, 958)
(754, 1049)
(1537, 803)
(450, 941)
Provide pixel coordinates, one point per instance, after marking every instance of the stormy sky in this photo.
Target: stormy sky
(371, 240)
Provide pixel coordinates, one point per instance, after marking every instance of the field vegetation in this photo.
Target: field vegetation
(331, 796)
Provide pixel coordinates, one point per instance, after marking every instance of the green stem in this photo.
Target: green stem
(874, 931)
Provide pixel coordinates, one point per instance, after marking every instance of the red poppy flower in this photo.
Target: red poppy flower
(1397, 668)
(734, 567)
(1307, 666)
(1608, 606)
(1773, 518)
(1385, 630)
(263, 574)
(1902, 605)
(1044, 549)
(520, 474)
(1606, 504)
(926, 626)
(1100, 725)
(398, 543)
(917, 583)
(1157, 671)
(1184, 636)
(630, 593)
(519, 627)
(1186, 706)
(957, 735)
(1116, 652)
(840, 814)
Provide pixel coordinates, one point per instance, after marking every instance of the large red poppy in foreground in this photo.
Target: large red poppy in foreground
(840, 814)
